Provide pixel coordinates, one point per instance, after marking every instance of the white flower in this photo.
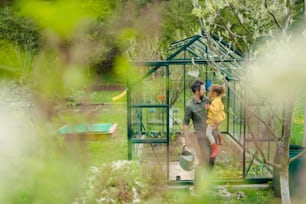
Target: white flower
(119, 164)
(139, 183)
(135, 196)
(101, 200)
(94, 169)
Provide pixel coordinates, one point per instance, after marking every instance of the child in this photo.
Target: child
(215, 116)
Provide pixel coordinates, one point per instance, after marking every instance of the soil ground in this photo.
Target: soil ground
(228, 164)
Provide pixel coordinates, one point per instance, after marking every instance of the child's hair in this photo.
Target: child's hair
(218, 89)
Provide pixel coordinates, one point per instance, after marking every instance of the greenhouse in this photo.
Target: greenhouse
(157, 97)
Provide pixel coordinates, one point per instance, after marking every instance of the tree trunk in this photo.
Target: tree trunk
(284, 151)
(304, 123)
(284, 185)
(283, 155)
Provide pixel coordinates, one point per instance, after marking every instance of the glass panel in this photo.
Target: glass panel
(153, 156)
(151, 90)
(149, 123)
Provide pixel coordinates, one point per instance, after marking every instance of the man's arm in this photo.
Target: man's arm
(186, 134)
(186, 121)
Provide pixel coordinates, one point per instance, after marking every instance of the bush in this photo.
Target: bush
(18, 30)
(122, 182)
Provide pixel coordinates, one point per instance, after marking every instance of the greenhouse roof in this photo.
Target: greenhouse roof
(207, 49)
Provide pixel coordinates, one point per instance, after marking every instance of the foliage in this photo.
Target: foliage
(122, 181)
(178, 22)
(34, 169)
(19, 42)
(247, 23)
(129, 182)
(38, 177)
(5, 3)
(15, 94)
(120, 32)
(20, 31)
(50, 14)
(15, 62)
(298, 122)
(250, 196)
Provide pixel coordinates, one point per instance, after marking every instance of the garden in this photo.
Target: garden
(93, 96)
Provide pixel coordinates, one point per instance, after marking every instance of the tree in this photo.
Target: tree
(177, 23)
(246, 25)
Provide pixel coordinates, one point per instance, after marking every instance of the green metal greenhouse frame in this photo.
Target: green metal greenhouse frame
(204, 49)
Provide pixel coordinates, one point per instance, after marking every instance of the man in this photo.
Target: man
(195, 111)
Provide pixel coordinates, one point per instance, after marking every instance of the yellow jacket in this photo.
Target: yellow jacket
(215, 111)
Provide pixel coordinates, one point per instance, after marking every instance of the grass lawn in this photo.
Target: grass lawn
(247, 196)
(297, 131)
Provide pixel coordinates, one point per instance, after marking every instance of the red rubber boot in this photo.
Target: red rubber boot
(215, 150)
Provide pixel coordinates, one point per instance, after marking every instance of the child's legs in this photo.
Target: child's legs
(209, 134)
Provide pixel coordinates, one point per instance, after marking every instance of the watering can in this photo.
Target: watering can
(187, 158)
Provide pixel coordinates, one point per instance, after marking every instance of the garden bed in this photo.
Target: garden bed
(93, 132)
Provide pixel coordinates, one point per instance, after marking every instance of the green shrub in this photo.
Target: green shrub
(18, 30)
(122, 182)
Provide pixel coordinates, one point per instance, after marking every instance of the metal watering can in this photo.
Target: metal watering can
(187, 159)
